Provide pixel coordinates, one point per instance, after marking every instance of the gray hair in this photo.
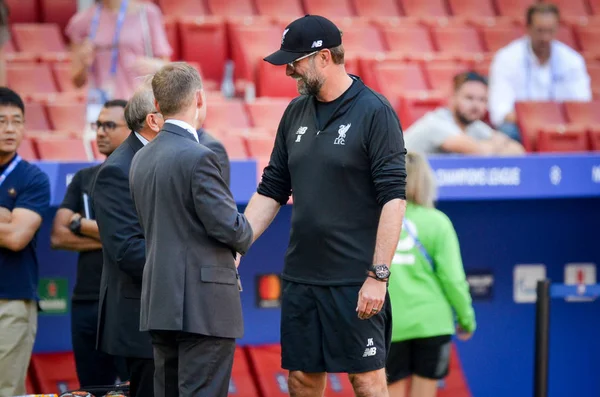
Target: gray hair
(139, 106)
(175, 86)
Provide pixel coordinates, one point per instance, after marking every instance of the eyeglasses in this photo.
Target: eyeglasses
(107, 125)
(291, 64)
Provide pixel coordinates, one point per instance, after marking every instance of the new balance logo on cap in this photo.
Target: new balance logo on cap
(303, 36)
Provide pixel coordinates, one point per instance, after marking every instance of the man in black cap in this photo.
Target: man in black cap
(340, 149)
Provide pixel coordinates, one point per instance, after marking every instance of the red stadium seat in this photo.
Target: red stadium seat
(457, 40)
(594, 135)
(397, 79)
(63, 76)
(54, 372)
(424, 8)
(495, 38)
(23, 11)
(441, 74)
(594, 6)
(69, 117)
(565, 35)
(583, 112)
(30, 79)
(589, 38)
(250, 44)
(226, 114)
(204, 40)
(413, 108)
(272, 381)
(231, 8)
(571, 8)
(234, 144)
(360, 37)
(58, 11)
(35, 117)
(533, 116)
(27, 150)
(569, 140)
(38, 38)
(329, 9)
(267, 112)
(377, 8)
(278, 8)
(472, 8)
(513, 8)
(593, 70)
(181, 8)
(271, 81)
(172, 31)
(260, 146)
(408, 39)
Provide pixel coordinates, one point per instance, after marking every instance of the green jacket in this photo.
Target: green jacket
(422, 300)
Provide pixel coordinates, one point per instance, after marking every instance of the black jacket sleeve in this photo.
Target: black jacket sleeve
(72, 199)
(276, 182)
(385, 145)
(120, 232)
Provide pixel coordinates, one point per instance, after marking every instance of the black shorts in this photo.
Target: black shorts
(424, 357)
(321, 331)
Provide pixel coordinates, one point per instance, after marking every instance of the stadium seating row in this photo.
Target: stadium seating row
(256, 372)
(210, 41)
(60, 11)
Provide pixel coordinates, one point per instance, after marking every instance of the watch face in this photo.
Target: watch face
(382, 271)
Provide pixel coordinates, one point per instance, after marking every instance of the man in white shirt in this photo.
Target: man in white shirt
(458, 128)
(535, 68)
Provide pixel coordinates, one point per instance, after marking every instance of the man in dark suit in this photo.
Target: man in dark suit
(124, 252)
(190, 292)
(206, 139)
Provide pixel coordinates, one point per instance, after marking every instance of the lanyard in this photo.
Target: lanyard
(528, 72)
(13, 164)
(115, 45)
(411, 232)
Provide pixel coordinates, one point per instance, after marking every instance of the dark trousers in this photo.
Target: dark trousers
(94, 368)
(141, 376)
(191, 365)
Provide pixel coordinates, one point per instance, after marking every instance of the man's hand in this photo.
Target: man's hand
(74, 217)
(5, 215)
(463, 335)
(371, 298)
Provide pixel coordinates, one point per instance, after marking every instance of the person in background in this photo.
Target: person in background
(536, 67)
(124, 255)
(115, 41)
(75, 229)
(24, 200)
(428, 281)
(206, 139)
(459, 128)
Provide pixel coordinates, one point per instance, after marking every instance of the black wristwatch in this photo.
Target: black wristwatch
(75, 226)
(382, 272)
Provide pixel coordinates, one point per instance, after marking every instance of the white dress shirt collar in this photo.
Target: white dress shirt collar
(141, 138)
(185, 126)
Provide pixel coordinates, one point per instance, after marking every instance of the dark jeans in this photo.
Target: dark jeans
(94, 368)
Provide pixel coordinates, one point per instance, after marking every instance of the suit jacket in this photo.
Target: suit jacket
(216, 146)
(124, 251)
(192, 228)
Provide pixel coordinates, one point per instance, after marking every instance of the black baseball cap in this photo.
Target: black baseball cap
(303, 36)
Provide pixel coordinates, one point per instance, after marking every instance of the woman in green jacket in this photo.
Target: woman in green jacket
(427, 288)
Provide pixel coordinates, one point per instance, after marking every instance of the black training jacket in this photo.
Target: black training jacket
(341, 176)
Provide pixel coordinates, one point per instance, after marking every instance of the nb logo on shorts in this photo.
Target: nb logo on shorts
(370, 351)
